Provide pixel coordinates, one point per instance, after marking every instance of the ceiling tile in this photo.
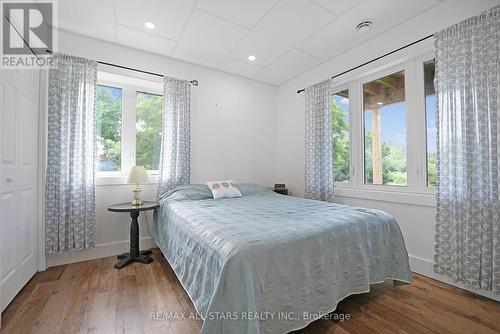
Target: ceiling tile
(293, 63)
(90, 18)
(265, 49)
(243, 12)
(337, 6)
(340, 35)
(168, 16)
(238, 67)
(207, 39)
(288, 23)
(144, 41)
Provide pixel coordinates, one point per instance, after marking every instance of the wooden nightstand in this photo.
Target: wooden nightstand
(135, 255)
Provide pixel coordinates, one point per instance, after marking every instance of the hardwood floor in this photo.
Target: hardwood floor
(93, 297)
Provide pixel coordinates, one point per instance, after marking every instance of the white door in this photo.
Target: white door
(19, 98)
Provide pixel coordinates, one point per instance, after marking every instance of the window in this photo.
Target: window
(341, 142)
(384, 110)
(384, 122)
(129, 123)
(148, 130)
(430, 120)
(109, 128)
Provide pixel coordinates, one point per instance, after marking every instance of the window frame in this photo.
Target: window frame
(128, 137)
(374, 76)
(416, 191)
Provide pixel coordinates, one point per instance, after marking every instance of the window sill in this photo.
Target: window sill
(120, 179)
(388, 195)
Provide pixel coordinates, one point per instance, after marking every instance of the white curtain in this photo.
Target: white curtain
(319, 142)
(71, 151)
(175, 144)
(468, 207)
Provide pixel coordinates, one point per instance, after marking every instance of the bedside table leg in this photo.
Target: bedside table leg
(135, 255)
(124, 262)
(134, 234)
(127, 254)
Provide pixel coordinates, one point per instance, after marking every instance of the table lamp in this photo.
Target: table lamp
(137, 175)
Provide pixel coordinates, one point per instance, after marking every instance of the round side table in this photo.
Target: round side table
(135, 255)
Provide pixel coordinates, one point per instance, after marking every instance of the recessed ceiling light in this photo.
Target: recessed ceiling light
(252, 58)
(380, 103)
(364, 26)
(149, 25)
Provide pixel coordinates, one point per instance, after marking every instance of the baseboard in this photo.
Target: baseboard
(426, 268)
(102, 250)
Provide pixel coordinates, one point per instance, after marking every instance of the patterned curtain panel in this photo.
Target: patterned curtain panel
(319, 142)
(175, 143)
(71, 148)
(468, 206)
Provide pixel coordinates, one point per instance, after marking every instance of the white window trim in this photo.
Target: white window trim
(416, 192)
(361, 124)
(102, 179)
(128, 137)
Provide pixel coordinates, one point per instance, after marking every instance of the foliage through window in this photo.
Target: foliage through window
(129, 121)
(430, 117)
(109, 128)
(148, 130)
(385, 130)
(340, 127)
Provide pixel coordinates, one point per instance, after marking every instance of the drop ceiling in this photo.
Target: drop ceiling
(287, 37)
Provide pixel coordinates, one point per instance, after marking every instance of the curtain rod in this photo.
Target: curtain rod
(374, 59)
(193, 82)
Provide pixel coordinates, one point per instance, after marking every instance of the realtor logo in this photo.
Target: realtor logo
(27, 33)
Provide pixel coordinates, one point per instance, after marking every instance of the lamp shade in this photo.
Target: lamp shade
(138, 174)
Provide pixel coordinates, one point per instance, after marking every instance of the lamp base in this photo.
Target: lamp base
(137, 202)
(137, 196)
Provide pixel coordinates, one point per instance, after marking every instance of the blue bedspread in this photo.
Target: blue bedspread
(268, 263)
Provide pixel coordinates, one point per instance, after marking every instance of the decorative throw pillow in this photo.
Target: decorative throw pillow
(221, 189)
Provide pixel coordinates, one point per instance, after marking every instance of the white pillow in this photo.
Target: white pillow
(221, 189)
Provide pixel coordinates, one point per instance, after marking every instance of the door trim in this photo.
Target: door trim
(42, 159)
(1, 106)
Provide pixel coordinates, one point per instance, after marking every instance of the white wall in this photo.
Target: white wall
(414, 212)
(233, 131)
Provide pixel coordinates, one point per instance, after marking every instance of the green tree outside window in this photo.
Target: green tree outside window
(148, 130)
(340, 128)
(109, 126)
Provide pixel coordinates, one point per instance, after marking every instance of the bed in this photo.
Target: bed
(267, 263)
